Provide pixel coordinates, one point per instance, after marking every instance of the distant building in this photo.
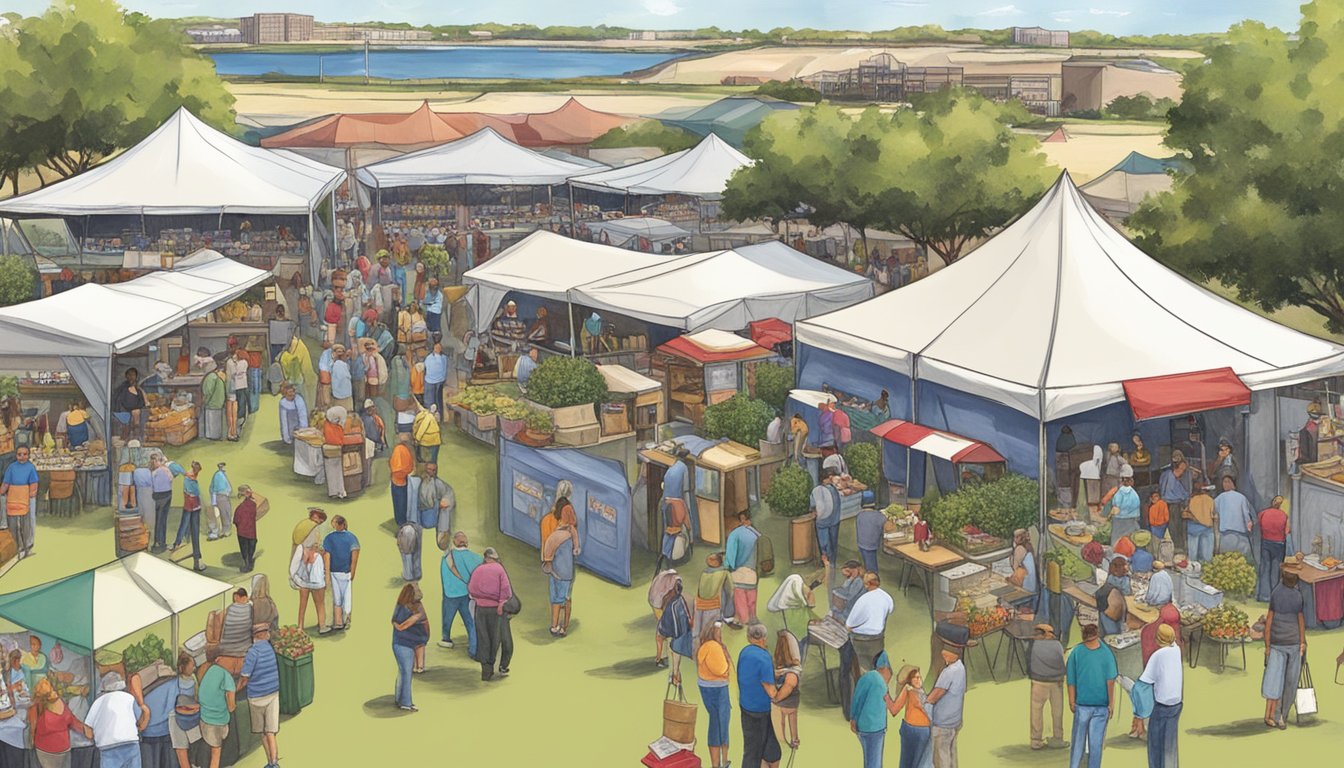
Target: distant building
(1041, 37)
(743, 80)
(883, 78)
(263, 28)
(662, 34)
(481, 34)
(1039, 93)
(1091, 83)
(215, 34)
(371, 34)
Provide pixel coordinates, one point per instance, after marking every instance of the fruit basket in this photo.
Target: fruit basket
(984, 621)
(1227, 624)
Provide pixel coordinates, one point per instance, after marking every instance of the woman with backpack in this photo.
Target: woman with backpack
(184, 727)
(675, 626)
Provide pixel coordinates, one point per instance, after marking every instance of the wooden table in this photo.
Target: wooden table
(1310, 580)
(936, 559)
(1075, 543)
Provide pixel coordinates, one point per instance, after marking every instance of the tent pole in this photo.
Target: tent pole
(1282, 456)
(573, 339)
(1042, 479)
(175, 646)
(573, 216)
(914, 417)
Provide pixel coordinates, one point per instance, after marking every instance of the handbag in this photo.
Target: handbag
(1141, 696)
(1306, 693)
(678, 716)
(513, 605)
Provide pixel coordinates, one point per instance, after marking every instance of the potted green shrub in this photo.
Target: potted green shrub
(978, 520)
(540, 428)
(865, 463)
(570, 388)
(773, 384)
(512, 419)
(741, 418)
(789, 495)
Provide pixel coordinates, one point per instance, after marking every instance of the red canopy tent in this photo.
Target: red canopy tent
(571, 124)
(1173, 395)
(770, 331)
(935, 442)
(399, 130)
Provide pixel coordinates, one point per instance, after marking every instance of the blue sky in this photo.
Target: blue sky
(1115, 16)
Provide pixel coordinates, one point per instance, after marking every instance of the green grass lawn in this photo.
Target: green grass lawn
(594, 698)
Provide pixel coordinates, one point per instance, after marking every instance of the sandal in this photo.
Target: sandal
(1270, 723)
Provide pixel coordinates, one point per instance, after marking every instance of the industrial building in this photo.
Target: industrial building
(1039, 93)
(351, 32)
(883, 78)
(215, 34)
(263, 28)
(1091, 83)
(1041, 37)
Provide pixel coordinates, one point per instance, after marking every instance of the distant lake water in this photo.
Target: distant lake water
(442, 62)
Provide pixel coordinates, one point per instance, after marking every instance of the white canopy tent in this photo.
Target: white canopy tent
(185, 167)
(548, 266)
(728, 289)
(95, 608)
(1053, 314)
(619, 232)
(88, 325)
(484, 158)
(701, 171)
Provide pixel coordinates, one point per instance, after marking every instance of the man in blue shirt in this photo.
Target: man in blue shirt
(869, 526)
(522, 370)
(1174, 486)
(868, 712)
(341, 550)
(739, 557)
(324, 362)
(342, 385)
(156, 745)
(1235, 519)
(433, 306)
(756, 688)
(1123, 507)
(221, 491)
(455, 572)
(20, 492)
(1090, 674)
(436, 373)
(261, 677)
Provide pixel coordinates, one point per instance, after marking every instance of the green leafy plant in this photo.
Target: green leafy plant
(486, 401)
(9, 387)
(1231, 573)
(791, 90)
(997, 508)
(773, 383)
(789, 491)
(436, 260)
(741, 418)
(146, 652)
(515, 411)
(648, 133)
(865, 463)
(559, 382)
(539, 421)
(18, 281)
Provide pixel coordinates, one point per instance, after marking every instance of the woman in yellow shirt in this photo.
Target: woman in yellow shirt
(76, 424)
(712, 668)
(916, 734)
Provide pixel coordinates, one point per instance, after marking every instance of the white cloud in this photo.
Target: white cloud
(662, 7)
(904, 4)
(1003, 10)
(1108, 12)
(1063, 19)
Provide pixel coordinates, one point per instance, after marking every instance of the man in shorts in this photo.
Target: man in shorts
(261, 677)
(217, 696)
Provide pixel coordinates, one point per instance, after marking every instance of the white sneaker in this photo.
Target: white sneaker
(446, 644)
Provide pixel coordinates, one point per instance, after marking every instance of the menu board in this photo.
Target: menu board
(529, 495)
(601, 519)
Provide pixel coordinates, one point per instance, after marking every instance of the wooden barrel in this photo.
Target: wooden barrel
(802, 539)
(131, 534)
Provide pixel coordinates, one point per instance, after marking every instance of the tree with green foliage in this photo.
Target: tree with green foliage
(773, 384)
(943, 175)
(1139, 107)
(18, 281)
(790, 492)
(793, 90)
(647, 133)
(86, 79)
(559, 382)
(1261, 211)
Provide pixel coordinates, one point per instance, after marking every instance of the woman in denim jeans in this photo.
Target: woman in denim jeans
(410, 629)
(713, 669)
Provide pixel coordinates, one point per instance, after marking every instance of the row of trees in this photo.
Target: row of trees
(86, 79)
(944, 174)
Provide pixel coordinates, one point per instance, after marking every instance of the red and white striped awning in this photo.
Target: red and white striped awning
(935, 442)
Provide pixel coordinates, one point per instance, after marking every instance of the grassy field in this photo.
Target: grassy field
(594, 698)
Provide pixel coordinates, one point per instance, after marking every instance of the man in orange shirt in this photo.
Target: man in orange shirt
(1159, 515)
(20, 491)
(401, 463)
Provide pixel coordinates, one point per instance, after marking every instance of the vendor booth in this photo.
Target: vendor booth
(484, 184)
(637, 403)
(639, 233)
(602, 501)
(82, 618)
(703, 369)
(683, 187)
(94, 332)
(955, 460)
(724, 480)
(188, 186)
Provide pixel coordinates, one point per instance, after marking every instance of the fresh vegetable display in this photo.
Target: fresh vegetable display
(292, 642)
(484, 401)
(1071, 566)
(1231, 573)
(1226, 623)
(995, 508)
(985, 621)
(145, 653)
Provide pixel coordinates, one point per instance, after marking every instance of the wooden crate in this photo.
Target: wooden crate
(180, 434)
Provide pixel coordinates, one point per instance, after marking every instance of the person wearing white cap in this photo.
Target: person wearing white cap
(1123, 506)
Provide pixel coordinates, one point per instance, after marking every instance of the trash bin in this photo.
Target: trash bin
(296, 683)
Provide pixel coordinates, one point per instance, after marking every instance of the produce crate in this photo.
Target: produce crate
(180, 434)
(486, 436)
(296, 683)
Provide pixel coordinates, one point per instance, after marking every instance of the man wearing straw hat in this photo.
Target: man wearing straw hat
(948, 697)
(1165, 673)
(1045, 668)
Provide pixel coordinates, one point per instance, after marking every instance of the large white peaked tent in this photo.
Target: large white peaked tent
(484, 158)
(701, 171)
(728, 289)
(185, 167)
(1056, 312)
(548, 266)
